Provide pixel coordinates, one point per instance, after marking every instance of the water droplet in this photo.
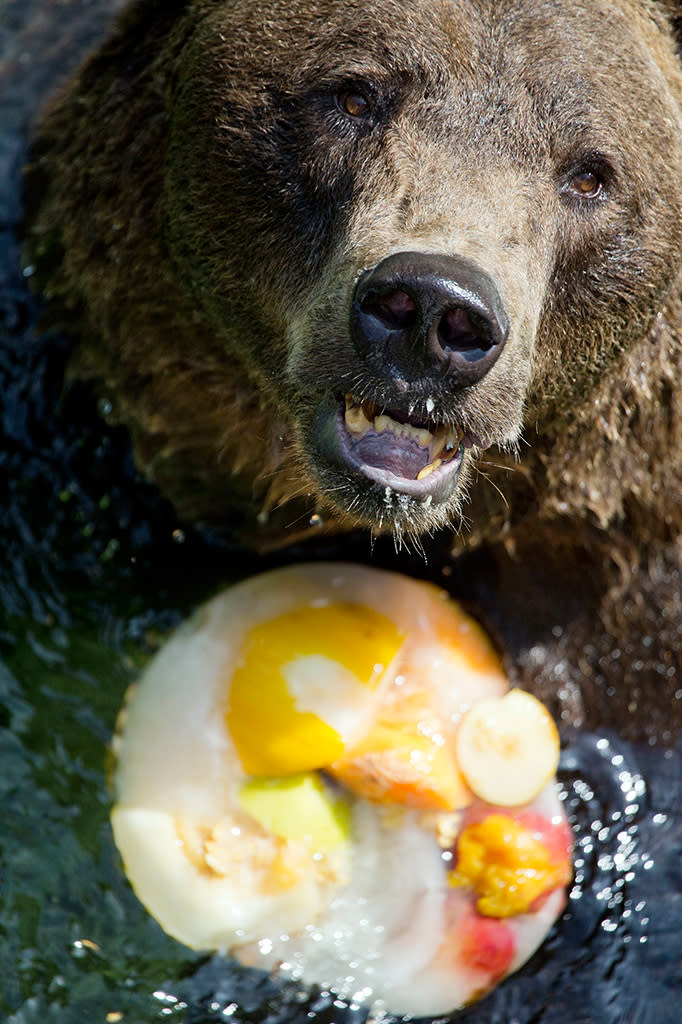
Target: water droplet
(178, 536)
(316, 520)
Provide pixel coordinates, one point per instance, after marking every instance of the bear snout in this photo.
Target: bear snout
(418, 315)
(398, 388)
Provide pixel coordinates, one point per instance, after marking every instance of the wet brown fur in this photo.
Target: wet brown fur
(199, 215)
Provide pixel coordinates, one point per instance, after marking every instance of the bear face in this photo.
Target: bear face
(357, 190)
(388, 239)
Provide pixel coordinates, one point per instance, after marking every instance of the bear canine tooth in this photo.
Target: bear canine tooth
(440, 441)
(381, 423)
(356, 421)
(427, 470)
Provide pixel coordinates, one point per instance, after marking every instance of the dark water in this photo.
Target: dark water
(94, 571)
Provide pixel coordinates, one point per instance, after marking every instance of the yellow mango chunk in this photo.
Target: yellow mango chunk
(397, 763)
(506, 866)
(304, 680)
(297, 807)
(508, 748)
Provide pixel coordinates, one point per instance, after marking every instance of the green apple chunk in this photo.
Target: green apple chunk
(298, 807)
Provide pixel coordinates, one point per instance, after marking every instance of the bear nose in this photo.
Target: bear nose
(417, 313)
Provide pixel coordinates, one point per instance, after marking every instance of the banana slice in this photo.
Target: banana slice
(507, 748)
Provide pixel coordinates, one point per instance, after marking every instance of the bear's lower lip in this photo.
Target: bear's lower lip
(389, 449)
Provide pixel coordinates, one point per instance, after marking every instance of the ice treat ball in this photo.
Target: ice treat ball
(325, 772)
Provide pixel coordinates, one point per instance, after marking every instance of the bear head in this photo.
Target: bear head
(396, 263)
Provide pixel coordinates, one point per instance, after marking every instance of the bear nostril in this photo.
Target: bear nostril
(395, 310)
(464, 331)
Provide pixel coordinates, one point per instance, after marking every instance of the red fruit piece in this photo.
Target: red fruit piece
(487, 944)
(556, 836)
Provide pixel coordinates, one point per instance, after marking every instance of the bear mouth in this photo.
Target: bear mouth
(396, 449)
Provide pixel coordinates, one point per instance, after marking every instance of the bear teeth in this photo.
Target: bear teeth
(356, 421)
(428, 469)
(442, 443)
(422, 436)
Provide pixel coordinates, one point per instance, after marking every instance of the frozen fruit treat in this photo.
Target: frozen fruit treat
(325, 772)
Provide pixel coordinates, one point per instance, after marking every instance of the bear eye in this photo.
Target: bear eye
(588, 180)
(586, 184)
(353, 104)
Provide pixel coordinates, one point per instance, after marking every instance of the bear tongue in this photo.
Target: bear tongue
(398, 455)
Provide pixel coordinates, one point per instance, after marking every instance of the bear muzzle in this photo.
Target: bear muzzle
(421, 323)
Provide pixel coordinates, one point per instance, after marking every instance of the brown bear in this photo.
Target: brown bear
(400, 266)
